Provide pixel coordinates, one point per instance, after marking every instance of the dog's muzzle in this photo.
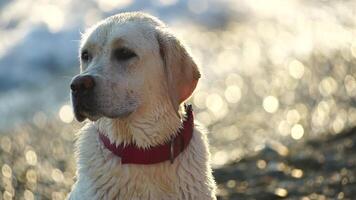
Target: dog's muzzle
(82, 87)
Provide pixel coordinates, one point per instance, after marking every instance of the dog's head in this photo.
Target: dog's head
(128, 62)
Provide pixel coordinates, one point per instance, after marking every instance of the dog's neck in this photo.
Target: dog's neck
(145, 129)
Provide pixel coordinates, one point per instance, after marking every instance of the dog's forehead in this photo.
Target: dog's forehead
(131, 34)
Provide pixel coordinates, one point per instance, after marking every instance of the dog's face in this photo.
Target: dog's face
(127, 62)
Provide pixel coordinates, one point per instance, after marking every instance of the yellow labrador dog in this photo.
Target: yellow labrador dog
(141, 142)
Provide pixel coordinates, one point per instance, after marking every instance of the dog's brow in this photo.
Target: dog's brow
(116, 42)
(89, 46)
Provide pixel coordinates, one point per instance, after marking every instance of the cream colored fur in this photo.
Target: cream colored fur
(150, 89)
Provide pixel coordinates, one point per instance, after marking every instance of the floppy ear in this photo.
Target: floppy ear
(181, 71)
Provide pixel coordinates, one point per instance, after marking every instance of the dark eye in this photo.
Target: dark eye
(85, 56)
(123, 54)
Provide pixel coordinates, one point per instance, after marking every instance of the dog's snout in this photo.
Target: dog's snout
(82, 84)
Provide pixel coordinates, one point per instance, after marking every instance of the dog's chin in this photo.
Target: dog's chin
(94, 117)
(119, 115)
(79, 116)
(82, 115)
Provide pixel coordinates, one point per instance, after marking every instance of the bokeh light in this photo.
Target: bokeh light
(297, 131)
(233, 94)
(6, 171)
(270, 104)
(66, 114)
(281, 192)
(297, 173)
(28, 195)
(31, 157)
(296, 69)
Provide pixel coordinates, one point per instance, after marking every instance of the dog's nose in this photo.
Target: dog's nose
(82, 84)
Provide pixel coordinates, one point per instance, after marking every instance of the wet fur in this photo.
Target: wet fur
(140, 103)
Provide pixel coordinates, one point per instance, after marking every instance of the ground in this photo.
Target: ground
(37, 162)
(317, 169)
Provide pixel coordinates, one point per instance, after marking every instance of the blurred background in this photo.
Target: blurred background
(278, 92)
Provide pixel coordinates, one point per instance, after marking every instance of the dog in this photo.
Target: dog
(141, 141)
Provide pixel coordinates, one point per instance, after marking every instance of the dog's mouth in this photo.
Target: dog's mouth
(88, 107)
(82, 115)
(84, 109)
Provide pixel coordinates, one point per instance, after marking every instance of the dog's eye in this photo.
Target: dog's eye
(85, 56)
(122, 54)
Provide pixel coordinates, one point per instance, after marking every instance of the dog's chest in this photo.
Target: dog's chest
(101, 176)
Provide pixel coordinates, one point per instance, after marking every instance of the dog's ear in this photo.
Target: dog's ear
(181, 71)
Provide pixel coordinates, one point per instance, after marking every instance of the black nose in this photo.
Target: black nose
(82, 84)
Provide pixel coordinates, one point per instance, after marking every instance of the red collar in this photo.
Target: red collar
(131, 154)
